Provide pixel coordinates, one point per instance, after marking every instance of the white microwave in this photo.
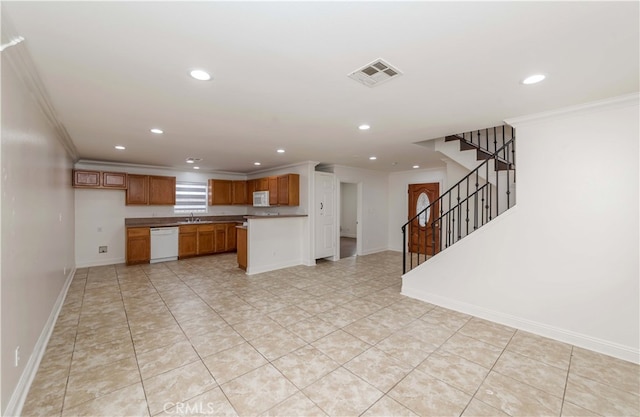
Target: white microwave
(261, 199)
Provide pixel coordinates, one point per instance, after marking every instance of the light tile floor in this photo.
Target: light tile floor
(198, 337)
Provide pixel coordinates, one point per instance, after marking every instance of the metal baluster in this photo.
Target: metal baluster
(486, 139)
(508, 190)
(497, 189)
(404, 250)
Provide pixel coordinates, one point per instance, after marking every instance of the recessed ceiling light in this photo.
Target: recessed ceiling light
(534, 79)
(120, 147)
(256, 163)
(416, 166)
(364, 127)
(190, 161)
(196, 167)
(200, 75)
(280, 151)
(372, 158)
(157, 131)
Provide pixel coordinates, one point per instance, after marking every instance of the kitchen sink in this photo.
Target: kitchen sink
(194, 222)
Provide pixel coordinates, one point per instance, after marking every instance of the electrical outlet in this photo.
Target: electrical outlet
(102, 249)
(17, 357)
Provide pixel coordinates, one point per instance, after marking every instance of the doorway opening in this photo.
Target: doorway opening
(348, 219)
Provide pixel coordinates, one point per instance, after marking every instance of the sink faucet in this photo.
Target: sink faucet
(191, 217)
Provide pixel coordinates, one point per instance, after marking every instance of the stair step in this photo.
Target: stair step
(451, 138)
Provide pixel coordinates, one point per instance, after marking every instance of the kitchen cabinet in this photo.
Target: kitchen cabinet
(220, 238)
(114, 180)
(151, 190)
(231, 237)
(261, 184)
(138, 245)
(99, 179)
(89, 179)
(251, 187)
(137, 190)
(284, 190)
(220, 192)
(206, 239)
(288, 190)
(188, 241)
(273, 191)
(242, 247)
(162, 190)
(239, 192)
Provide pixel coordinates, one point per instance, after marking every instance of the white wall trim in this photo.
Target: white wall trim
(20, 59)
(598, 345)
(101, 262)
(607, 104)
(16, 402)
(272, 267)
(373, 250)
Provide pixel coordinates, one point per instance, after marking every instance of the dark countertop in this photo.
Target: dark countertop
(277, 216)
(179, 221)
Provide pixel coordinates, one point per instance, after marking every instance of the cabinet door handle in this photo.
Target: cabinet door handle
(321, 206)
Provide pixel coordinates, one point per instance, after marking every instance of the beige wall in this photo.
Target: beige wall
(37, 227)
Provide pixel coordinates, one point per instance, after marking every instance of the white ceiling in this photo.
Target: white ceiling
(113, 70)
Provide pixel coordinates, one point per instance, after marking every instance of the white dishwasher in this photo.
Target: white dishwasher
(164, 244)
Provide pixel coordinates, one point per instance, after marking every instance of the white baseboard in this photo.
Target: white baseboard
(616, 350)
(99, 262)
(272, 267)
(372, 251)
(16, 402)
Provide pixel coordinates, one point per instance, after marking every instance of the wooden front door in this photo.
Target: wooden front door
(421, 237)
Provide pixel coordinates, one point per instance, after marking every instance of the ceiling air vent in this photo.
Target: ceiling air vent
(375, 73)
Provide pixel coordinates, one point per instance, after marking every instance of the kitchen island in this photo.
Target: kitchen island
(272, 242)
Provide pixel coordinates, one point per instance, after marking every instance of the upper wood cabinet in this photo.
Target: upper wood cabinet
(162, 190)
(288, 190)
(137, 189)
(239, 192)
(98, 179)
(261, 184)
(273, 191)
(151, 190)
(220, 192)
(115, 180)
(251, 187)
(89, 179)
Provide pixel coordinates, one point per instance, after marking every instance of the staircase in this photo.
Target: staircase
(484, 193)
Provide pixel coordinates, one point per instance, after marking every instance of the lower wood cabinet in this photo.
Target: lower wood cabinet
(231, 237)
(242, 247)
(206, 239)
(138, 245)
(188, 241)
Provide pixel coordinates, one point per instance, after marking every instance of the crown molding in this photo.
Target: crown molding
(19, 59)
(607, 104)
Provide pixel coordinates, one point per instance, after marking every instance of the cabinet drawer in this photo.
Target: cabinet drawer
(206, 228)
(188, 229)
(138, 231)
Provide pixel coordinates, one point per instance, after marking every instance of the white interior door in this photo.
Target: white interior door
(325, 217)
